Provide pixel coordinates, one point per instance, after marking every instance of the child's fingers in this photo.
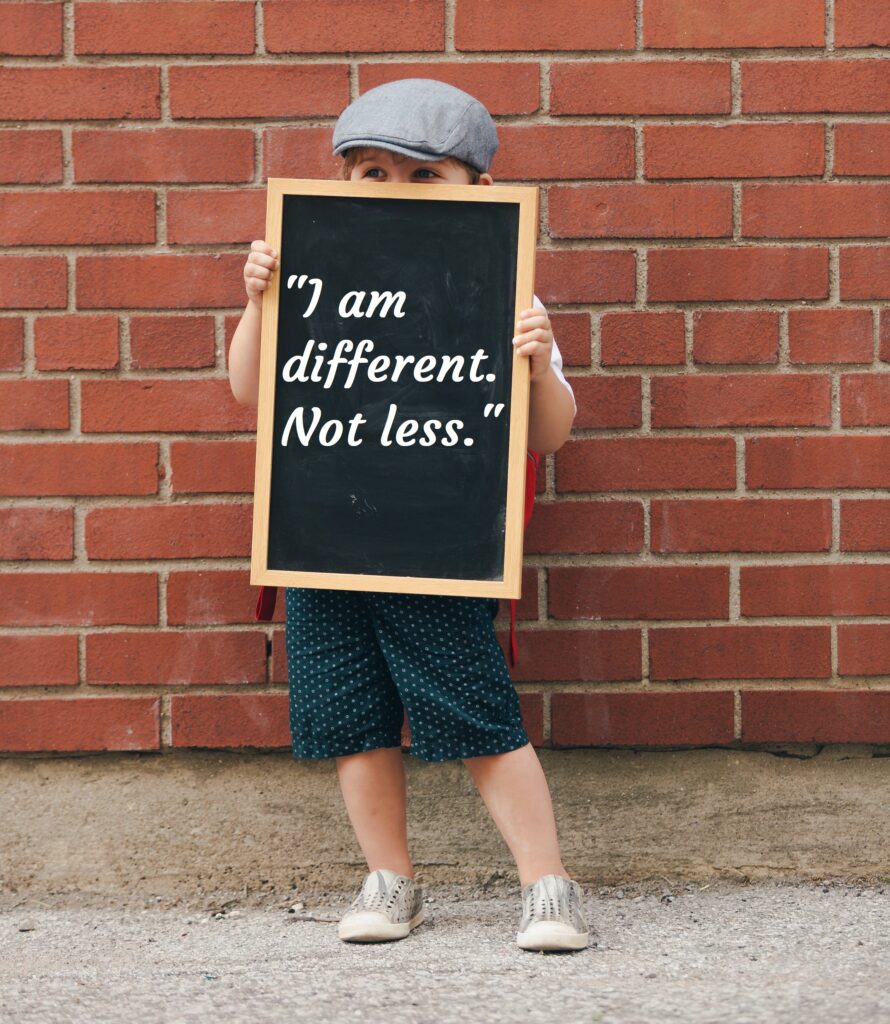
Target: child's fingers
(259, 245)
(532, 322)
(258, 259)
(536, 334)
(527, 348)
(258, 270)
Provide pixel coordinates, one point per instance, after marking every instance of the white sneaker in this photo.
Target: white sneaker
(552, 917)
(387, 907)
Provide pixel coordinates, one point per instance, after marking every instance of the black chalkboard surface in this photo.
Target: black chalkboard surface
(393, 413)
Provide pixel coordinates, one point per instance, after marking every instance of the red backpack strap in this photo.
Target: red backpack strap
(514, 649)
(265, 604)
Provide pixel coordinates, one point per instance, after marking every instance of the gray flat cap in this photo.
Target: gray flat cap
(421, 118)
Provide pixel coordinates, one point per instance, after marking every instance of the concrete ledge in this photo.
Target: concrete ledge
(186, 822)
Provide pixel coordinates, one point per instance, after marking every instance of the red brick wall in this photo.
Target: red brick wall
(709, 561)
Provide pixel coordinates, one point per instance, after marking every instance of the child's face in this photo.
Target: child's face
(385, 165)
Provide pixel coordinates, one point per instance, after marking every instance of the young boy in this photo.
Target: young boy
(356, 660)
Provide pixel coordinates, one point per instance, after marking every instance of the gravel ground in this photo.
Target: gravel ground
(691, 952)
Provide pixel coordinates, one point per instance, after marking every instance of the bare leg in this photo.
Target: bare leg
(374, 791)
(515, 791)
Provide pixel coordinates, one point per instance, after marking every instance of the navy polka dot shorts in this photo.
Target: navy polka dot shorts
(357, 660)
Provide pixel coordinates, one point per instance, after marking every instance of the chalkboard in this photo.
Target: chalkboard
(393, 412)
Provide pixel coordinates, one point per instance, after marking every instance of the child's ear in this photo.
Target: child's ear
(486, 179)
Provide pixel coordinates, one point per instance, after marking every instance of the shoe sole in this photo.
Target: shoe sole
(372, 926)
(545, 935)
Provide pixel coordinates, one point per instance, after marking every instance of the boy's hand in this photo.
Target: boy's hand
(261, 263)
(534, 338)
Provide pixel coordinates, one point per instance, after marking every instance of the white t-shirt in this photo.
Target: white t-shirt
(556, 360)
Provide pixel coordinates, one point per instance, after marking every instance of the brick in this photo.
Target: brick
(884, 336)
(212, 467)
(168, 657)
(736, 274)
(579, 654)
(80, 723)
(30, 156)
(35, 532)
(31, 29)
(735, 336)
(279, 669)
(173, 281)
(504, 87)
(258, 90)
(212, 216)
(830, 336)
(76, 342)
(815, 86)
(641, 87)
(714, 24)
(646, 464)
(340, 26)
(817, 462)
(171, 342)
(34, 405)
(133, 406)
(42, 659)
(550, 152)
(79, 599)
(544, 25)
(196, 26)
(640, 211)
(79, 93)
(826, 589)
(824, 210)
(76, 218)
(862, 148)
(864, 525)
(585, 275)
(68, 468)
(230, 720)
(162, 154)
(864, 398)
(202, 597)
(638, 592)
(642, 338)
(740, 652)
(735, 400)
(864, 272)
(531, 707)
(608, 401)
(863, 649)
(168, 531)
(572, 334)
(641, 719)
(590, 527)
(815, 716)
(861, 23)
(12, 343)
(741, 524)
(769, 150)
(298, 153)
(33, 282)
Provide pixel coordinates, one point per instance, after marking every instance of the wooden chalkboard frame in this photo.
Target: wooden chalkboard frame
(510, 586)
